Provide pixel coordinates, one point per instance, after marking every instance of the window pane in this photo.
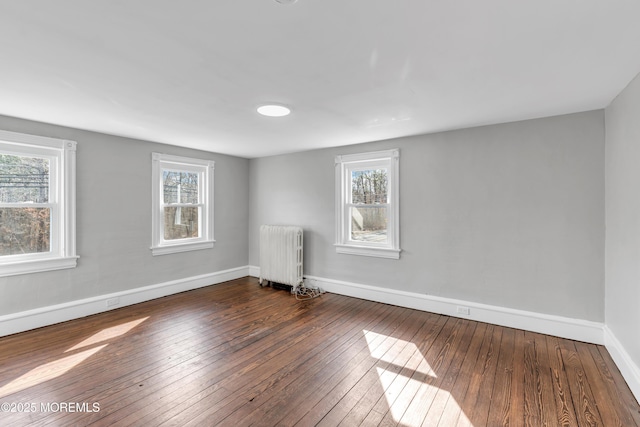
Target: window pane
(24, 179)
(180, 222)
(180, 187)
(24, 230)
(369, 224)
(369, 187)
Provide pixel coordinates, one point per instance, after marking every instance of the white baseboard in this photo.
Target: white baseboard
(31, 319)
(564, 327)
(575, 329)
(254, 271)
(629, 370)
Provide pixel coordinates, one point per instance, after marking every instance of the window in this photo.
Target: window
(367, 208)
(37, 204)
(182, 204)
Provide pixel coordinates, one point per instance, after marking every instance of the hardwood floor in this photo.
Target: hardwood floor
(236, 354)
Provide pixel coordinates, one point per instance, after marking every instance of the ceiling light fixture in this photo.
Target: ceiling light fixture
(273, 110)
(286, 1)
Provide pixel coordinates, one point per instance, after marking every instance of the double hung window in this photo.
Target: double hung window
(182, 204)
(367, 209)
(37, 204)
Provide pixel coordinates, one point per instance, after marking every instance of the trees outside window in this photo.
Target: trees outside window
(367, 209)
(182, 200)
(37, 203)
(369, 204)
(24, 184)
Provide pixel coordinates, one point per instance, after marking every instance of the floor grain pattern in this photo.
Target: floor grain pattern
(236, 354)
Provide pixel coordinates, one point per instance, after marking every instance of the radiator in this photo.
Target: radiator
(281, 254)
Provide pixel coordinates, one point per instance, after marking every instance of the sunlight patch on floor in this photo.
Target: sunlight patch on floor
(47, 371)
(59, 367)
(382, 353)
(411, 377)
(108, 333)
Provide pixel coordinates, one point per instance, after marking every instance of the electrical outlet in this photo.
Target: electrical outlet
(112, 302)
(464, 310)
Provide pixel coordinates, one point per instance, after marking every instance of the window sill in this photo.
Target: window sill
(181, 247)
(368, 251)
(37, 265)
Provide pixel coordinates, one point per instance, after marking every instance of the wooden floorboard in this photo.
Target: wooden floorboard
(236, 354)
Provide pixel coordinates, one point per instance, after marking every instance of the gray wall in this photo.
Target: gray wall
(510, 215)
(623, 218)
(113, 222)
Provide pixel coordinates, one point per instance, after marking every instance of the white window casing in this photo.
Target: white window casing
(205, 172)
(389, 246)
(61, 203)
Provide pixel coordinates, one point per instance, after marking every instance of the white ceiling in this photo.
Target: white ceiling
(192, 72)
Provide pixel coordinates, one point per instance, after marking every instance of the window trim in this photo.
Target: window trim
(344, 164)
(205, 169)
(62, 192)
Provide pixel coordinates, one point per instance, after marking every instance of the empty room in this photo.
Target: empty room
(303, 212)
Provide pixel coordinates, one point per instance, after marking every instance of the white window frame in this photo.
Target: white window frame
(205, 169)
(62, 203)
(345, 164)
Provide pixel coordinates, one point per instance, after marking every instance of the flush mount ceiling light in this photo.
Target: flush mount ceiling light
(273, 110)
(286, 1)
